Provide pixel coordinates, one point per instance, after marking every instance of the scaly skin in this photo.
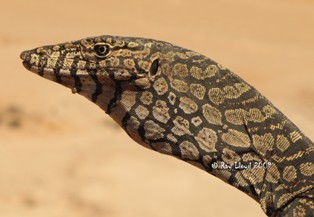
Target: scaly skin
(181, 103)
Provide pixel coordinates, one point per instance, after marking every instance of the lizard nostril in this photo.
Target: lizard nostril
(42, 51)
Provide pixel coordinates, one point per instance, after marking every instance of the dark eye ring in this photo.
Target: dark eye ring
(101, 50)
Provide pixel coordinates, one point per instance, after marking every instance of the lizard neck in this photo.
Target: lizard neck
(251, 146)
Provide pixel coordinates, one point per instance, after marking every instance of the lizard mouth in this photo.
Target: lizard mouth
(52, 59)
(42, 63)
(34, 62)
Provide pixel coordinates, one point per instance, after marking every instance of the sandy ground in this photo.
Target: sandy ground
(61, 156)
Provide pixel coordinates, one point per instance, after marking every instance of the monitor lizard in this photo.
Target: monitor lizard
(181, 103)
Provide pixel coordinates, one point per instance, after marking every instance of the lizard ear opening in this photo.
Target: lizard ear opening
(154, 68)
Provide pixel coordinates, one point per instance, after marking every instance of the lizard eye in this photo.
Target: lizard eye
(101, 50)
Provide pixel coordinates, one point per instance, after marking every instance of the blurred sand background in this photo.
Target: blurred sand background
(61, 156)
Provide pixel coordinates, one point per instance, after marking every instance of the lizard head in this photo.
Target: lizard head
(85, 65)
